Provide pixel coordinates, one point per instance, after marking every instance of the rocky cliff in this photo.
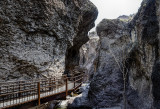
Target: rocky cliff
(88, 54)
(128, 69)
(106, 88)
(41, 38)
(144, 75)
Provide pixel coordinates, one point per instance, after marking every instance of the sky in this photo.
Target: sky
(112, 9)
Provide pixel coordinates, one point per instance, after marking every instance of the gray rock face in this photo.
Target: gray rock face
(80, 101)
(144, 75)
(88, 54)
(134, 49)
(106, 88)
(87, 64)
(126, 18)
(39, 37)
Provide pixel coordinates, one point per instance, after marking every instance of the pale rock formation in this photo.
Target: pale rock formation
(88, 54)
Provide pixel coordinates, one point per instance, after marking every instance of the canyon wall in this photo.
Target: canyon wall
(128, 69)
(106, 87)
(144, 75)
(42, 38)
(88, 54)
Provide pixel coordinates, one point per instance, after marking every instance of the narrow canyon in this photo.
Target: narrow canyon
(46, 38)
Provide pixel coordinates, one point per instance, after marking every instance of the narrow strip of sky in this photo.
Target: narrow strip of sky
(112, 9)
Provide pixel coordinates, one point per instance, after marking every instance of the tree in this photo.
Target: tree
(121, 56)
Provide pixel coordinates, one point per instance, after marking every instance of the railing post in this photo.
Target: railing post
(50, 88)
(19, 94)
(66, 87)
(74, 79)
(39, 98)
(74, 82)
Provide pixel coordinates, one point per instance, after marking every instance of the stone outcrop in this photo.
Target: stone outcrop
(126, 18)
(128, 71)
(88, 54)
(144, 75)
(80, 101)
(41, 38)
(106, 88)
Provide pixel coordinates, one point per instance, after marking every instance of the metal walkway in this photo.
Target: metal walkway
(13, 94)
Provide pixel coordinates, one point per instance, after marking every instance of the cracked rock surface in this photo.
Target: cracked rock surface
(38, 37)
(134, 44)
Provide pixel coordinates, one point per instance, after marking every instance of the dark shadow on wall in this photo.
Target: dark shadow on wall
(72, 60)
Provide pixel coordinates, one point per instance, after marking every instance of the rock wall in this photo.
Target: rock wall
(128, 71)
(106, 87)
(88, 54)
(144, 75)
(39, 38)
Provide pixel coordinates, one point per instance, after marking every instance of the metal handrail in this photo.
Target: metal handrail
(22, 89)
